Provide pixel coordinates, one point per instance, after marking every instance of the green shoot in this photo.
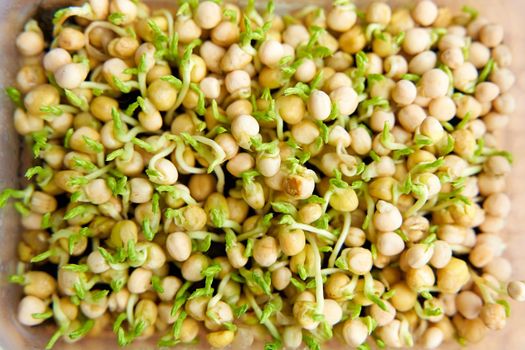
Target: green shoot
(15, 95)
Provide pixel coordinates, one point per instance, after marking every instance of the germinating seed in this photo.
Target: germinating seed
(286, 178)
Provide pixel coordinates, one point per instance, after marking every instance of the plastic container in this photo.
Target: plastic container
(13, 14)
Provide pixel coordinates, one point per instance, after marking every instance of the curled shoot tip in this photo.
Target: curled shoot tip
(337, 181)
(471, 11)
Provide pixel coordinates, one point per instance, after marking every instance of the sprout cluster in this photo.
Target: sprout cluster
(286, 178)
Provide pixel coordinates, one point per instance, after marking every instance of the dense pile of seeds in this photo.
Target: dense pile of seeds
(281, 178)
